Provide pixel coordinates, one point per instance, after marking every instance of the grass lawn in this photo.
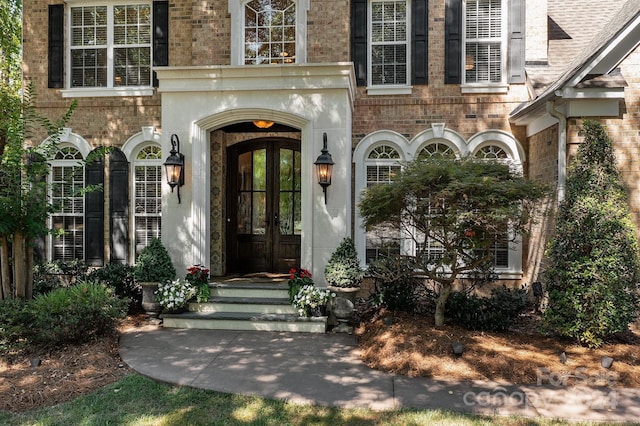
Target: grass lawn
(137, 400)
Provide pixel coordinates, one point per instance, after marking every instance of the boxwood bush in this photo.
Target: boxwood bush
(395, 283)
(120, 277)
(494, 313)
(13, 324)
(73, 314)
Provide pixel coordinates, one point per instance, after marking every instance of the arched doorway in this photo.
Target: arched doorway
(264, 205)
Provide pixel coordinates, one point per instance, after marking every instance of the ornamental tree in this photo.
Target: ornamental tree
(455, 211)
(593, 269)
(24, 191)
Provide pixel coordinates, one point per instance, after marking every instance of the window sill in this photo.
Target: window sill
(485, 88)
(100, 92)
(389, 90)
(503, 274)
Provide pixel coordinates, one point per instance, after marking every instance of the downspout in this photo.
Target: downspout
(562, 149)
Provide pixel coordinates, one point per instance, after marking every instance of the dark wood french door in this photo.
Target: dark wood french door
(264, 206)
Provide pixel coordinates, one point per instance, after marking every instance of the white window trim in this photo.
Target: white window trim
(101, 92)
(66, 138)
(236, 10)
(93, 92)
(389, 89)
(65, 163)
(487, 87)
(409, 149)
(133, 163)
(146, 137)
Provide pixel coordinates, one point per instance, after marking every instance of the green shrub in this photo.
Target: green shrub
(154, 264)
(13, 320)
(343, 268)
(74, 314)
(593, 269)
(395, 283)
(48, 276)
(119, 276)
(494, 313)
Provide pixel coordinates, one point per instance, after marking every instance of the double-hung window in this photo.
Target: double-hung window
(382, 165)
(110, 45)
(485, 41)
(500, 250)
(147, 192)
(67, 221)
(389, 43)
(484, 44)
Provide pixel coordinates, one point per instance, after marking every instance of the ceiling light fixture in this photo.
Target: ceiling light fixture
(262, 124)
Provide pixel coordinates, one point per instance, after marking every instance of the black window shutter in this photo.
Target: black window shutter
(119, 206)
(453, 42)
(56, 46)
(94, 214)
(160, 36)
(515, 61)
(419, 45)
(359, 40)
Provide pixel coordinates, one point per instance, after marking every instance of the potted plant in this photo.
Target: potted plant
(152, 267)
(311, 301)
(343, 272)
(344, 276)
(174, 295)
(198, 276)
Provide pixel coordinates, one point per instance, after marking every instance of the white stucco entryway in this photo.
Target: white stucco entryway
(316, 99)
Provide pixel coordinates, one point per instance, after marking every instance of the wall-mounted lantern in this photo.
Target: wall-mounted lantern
(324, 167)
(174, 165)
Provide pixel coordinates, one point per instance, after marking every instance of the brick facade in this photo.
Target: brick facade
(200, 35)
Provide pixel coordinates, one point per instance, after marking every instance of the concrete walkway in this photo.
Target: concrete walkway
(325, 370)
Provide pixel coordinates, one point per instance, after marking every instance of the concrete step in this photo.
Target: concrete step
(250, 290)
(245, 321)
(246, 303)
(254, 305)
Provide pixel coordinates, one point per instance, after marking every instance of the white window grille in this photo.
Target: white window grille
(389, 46)
(67, 220)
(484, 56)
(270, 32)
(500, 249)
(147, 196)
(382, 165)
(437, 149)
(110, 45)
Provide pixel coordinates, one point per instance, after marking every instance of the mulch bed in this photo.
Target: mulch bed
(411, 345)
(63, 374)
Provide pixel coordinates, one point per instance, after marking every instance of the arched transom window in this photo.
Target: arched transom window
(437, 150)
(492, 152)
(270, 32)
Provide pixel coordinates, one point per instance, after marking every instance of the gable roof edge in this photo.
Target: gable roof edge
(624, 29)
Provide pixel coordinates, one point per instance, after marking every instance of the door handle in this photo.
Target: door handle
(276, 220)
